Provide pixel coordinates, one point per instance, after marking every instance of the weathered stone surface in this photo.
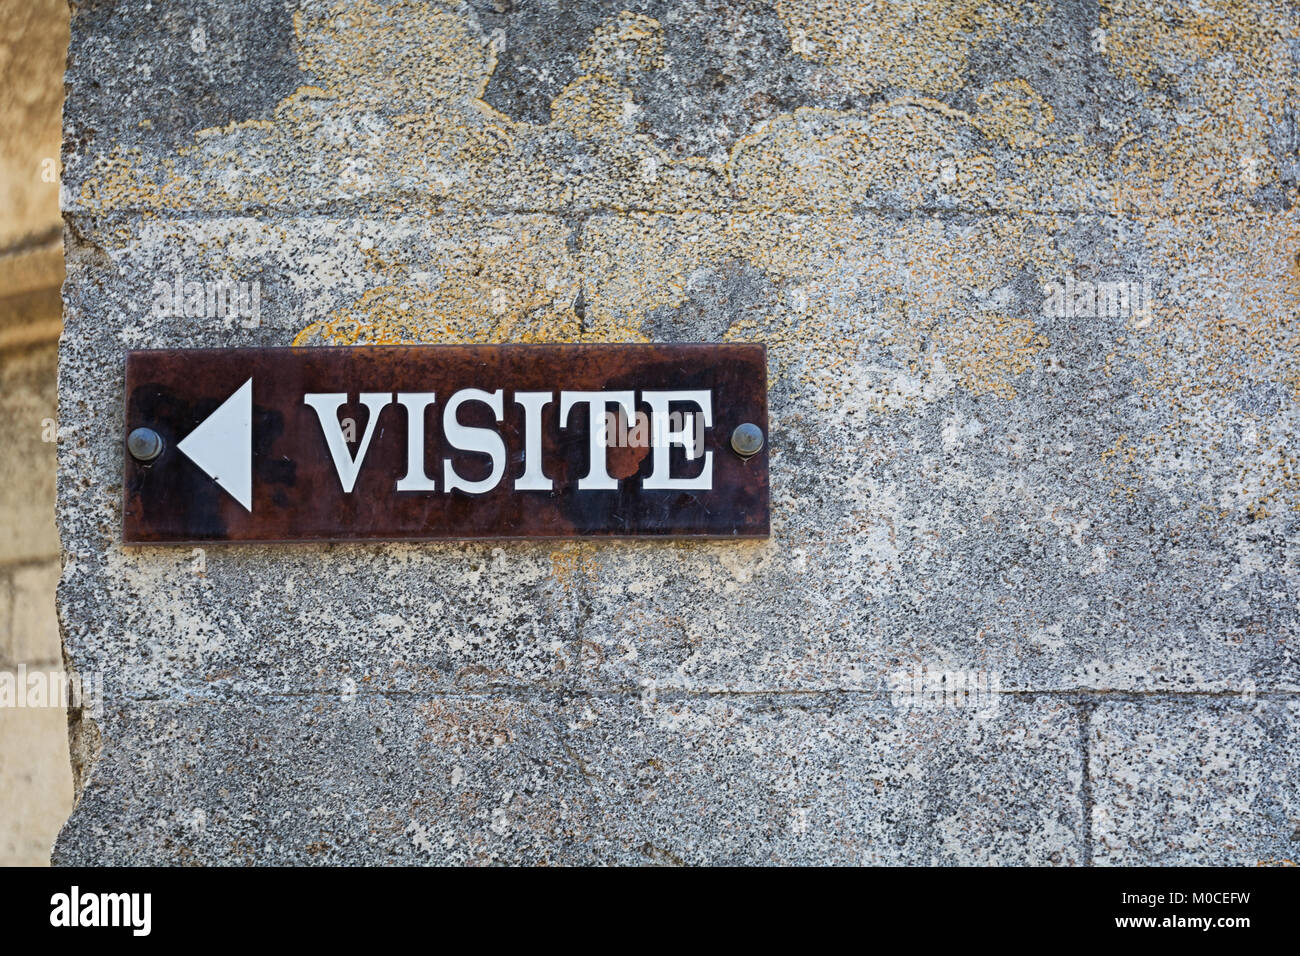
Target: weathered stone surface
(965, 477)
(1194, 783)
(864, 572)
(538, 777)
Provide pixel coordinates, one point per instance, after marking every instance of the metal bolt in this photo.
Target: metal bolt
(144, 444)
(747, 439)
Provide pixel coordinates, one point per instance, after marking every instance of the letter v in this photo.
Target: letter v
(327, 410)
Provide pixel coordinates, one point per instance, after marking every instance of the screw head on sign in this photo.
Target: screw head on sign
(747, 439)
(144, 444)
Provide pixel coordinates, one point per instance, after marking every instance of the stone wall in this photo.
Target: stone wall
(35, 782)
(1028, 278)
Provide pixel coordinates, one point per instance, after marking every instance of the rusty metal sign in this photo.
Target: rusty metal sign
(445, 441)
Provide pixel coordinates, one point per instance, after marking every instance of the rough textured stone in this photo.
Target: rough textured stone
(539, 777)
(965, 478)
(1184, 783)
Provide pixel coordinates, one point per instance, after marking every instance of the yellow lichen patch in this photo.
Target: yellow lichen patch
(1014, 112)
(908, 313)
(1240, 292)
(1144, 41)
(639, 262)
(1224, 353)
(623, 45)
(1235, 70)
(429, 51)
(396, 314)
(910, 151)
(922, 46)
(923, 321)
(987, 350)
(917, 157)
(591, 100)
(341, 138)
(121, 181)
(570, 562)
(802, 160)
(1120, 464)
(515, 283)
(902, 320)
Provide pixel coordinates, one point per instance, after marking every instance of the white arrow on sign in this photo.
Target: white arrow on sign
(222, 445)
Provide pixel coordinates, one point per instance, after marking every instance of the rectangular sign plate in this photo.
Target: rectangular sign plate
(444, 441)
